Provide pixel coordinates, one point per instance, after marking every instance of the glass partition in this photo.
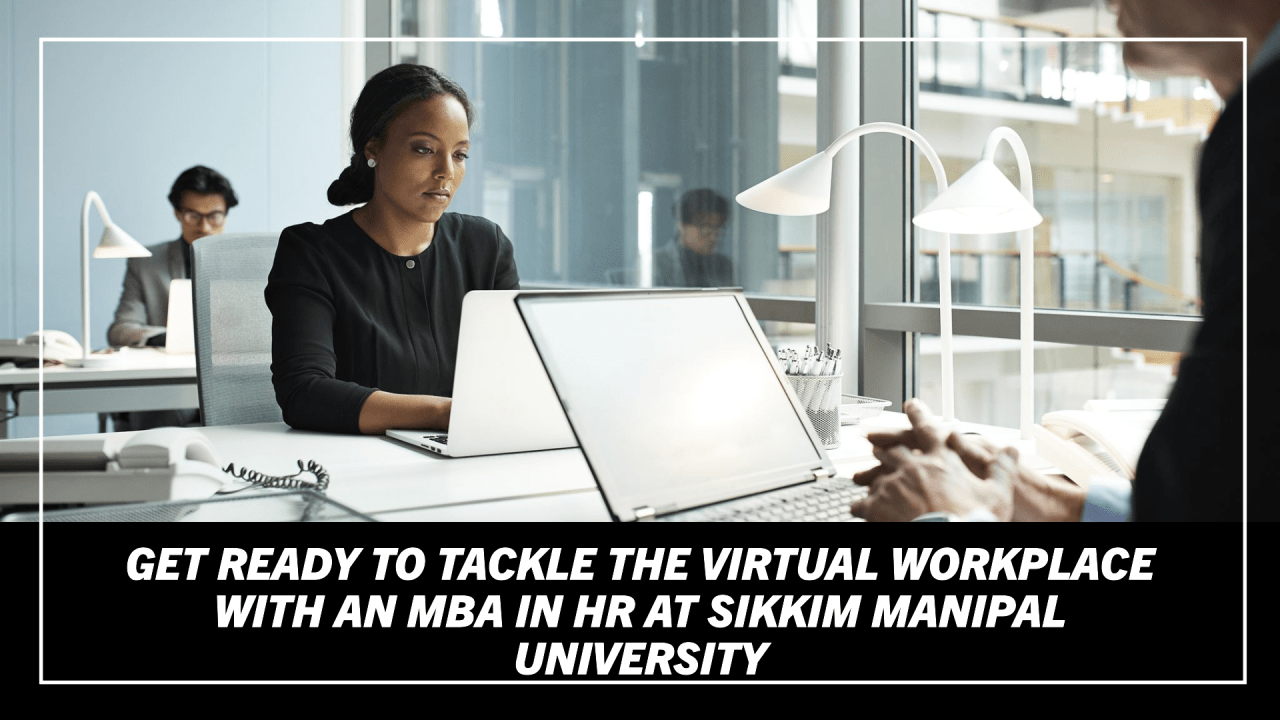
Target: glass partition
(616, 163)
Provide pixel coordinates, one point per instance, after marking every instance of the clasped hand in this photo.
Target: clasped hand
(923, 470)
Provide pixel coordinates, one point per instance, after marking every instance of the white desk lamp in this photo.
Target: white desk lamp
(115, 243)
(805, 189)
(983, 201)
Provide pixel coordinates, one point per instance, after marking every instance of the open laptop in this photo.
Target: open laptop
(680, 408)
(502, 401)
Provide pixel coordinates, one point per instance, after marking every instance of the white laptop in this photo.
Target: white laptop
(502, 401)
(680, 408)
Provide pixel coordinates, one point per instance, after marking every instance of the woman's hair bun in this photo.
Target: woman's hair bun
(353, 186)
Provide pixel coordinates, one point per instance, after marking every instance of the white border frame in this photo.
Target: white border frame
(365, 40)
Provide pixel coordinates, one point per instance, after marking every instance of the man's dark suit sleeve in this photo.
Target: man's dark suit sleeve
(1192, 467)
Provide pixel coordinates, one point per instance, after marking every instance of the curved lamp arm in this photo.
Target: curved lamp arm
(115, 243)
(944, 246)
(1026, 292)
(91, 198)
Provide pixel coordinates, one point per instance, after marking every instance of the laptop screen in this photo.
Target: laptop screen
(674, 397)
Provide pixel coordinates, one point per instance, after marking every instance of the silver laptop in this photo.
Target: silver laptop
(680, 408)
(502, 401)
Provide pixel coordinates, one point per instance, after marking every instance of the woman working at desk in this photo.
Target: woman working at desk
(366, 307)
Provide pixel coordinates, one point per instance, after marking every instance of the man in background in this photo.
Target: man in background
(1191, 467)
(200, 198)
(690, 259)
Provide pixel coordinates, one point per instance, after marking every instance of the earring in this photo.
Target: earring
(372, 162)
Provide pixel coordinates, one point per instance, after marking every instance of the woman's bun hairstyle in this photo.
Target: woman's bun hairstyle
(352, 186)
(383, 98)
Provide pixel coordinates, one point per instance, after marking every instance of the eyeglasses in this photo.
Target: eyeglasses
(708, 228)
(215, 218)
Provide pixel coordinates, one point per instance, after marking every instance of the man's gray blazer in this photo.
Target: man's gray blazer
(141, 315)
(144, 303)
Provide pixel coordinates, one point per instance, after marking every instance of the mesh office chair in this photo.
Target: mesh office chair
(233, 328)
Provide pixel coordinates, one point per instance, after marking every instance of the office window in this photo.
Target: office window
(617, 163)
(576, 131)
(1113, 167)
(1067, 376)
(588, 147)
(1113, 162)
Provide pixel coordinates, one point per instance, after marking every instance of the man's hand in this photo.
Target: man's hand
(920, 471)
(1036, 497)
(976, 453)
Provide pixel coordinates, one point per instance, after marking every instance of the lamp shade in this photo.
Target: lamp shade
(802, 189)
(117, 243)
(982, 201)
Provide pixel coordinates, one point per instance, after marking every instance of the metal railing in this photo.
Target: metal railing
(1043, 73)
(969, 289)
(1001, 71)
(1133, 280)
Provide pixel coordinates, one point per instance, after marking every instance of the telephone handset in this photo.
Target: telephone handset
(158, 464)
(187, 452)
(195, 465)
(58, 346)
(1100, 441)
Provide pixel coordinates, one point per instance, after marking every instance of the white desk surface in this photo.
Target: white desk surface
(392, 481)
(395, 481)
(141, 364)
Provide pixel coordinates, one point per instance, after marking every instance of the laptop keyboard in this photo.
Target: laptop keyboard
(822, 501)
(442, 439)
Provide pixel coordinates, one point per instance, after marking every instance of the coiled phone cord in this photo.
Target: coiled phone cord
(290, 482)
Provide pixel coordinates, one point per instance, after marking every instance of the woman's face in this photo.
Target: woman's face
(423, 160)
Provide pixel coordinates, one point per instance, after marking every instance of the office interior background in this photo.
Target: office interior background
(580, 151)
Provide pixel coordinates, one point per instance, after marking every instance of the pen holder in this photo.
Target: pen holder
(819, 395)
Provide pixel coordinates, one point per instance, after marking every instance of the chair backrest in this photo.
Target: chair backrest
(233, 328)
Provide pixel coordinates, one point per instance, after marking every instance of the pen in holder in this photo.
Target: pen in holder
(820, 396)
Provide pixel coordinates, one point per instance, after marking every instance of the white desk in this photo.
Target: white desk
(149, 379)
(392, 481)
